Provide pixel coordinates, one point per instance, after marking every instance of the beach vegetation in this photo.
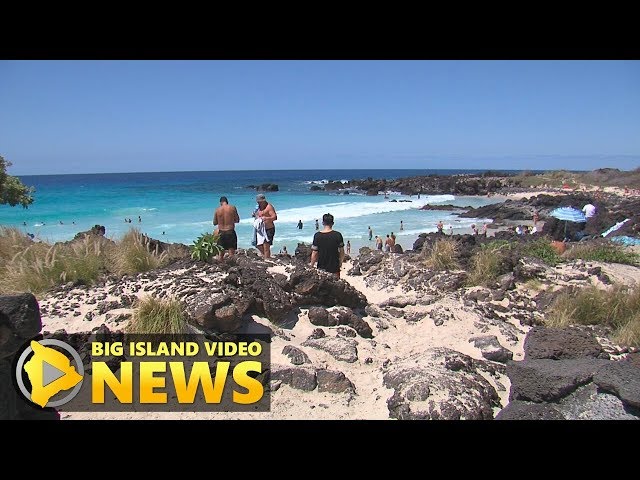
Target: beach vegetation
(534, 284)
(159, 316)
(601, 252)
(12, 241)
(41, 266)
(542, 250)
(205, 247)
(441, 254)
(135, 254)
(12, 191)
(28, 266)
(617, 308)
(488, 263)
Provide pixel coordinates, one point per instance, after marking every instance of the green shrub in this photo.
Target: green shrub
(442, 254)
(618, 308)
(601, 252)
(542, 250)
(205, 247)
(161, 316)
(487, 262)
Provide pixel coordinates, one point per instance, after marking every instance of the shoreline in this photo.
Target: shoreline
(418, 317)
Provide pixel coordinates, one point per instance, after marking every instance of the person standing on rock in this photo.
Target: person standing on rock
(225, 217)
(268, 214)
(327, 249)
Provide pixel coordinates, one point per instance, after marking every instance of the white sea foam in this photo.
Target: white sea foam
(346, 209)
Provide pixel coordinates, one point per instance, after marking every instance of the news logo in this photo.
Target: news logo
(135, 372)
(50, 372)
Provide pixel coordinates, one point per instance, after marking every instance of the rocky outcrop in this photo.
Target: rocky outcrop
(342, 349)
(621, 379)
(491, 348)
(561, 343)
(308, 378)
(544, 380)
(297, 356)
(439, 384)
(519, 410)
(19, 322)
(566, 374)
(314, 287)
(265, 187)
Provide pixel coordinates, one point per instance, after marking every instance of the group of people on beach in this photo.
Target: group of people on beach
(327, 248)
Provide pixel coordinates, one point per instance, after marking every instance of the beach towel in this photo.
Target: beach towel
(615, 227)
(626, 240)
(259, 232)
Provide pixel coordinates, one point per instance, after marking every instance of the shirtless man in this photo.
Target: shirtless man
(225, 217)
(268, 214)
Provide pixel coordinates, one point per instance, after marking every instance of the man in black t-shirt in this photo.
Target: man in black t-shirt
(327, 248)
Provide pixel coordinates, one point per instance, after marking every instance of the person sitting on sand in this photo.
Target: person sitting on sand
(225, 217)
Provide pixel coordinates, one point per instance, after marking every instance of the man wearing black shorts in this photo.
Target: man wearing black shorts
(327, 248)
(267, 212)
(225, 217)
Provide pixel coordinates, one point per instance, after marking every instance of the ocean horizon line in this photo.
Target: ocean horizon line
(461, 170)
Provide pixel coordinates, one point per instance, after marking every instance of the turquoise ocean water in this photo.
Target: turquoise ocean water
(178, 206)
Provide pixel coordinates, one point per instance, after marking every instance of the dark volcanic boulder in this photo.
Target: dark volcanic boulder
(313, 287)
(334, 382)
(622, 379)
(267, 187)
(544, 380)
(519, 410)
(491, 348)
(218, 311)
(300, 378)
(297, 356)
(19, 322)
(560, 343)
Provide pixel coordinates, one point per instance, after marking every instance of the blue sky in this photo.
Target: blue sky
(136, 115)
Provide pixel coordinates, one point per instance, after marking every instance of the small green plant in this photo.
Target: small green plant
(205, 247)
(161, 316)
(618, 308)
(542, 250)
(534, 284)
(601, 252)
(442, 254)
